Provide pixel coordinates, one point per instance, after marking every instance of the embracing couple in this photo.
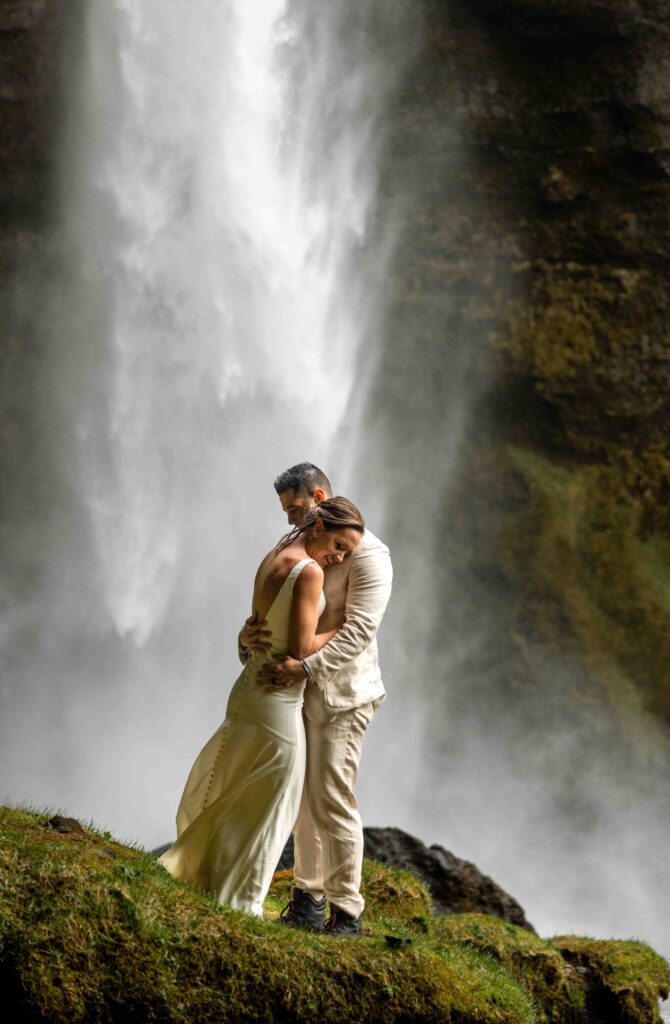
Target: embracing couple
(286, 757)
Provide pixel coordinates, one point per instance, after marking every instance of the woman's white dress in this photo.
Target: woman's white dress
(242, 795)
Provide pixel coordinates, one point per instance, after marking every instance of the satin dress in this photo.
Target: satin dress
(242, 795)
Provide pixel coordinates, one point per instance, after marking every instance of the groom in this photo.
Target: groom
(343, 691)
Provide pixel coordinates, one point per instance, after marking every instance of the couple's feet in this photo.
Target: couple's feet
(303, 911)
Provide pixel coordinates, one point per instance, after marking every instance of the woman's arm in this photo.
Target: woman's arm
(302, 635)
(321, 639)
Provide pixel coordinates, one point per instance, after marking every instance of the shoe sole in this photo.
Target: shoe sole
(304, 927)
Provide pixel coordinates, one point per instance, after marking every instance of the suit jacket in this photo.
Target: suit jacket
(346, 670)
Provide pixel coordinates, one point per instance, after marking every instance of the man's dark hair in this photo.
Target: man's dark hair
(303, 477)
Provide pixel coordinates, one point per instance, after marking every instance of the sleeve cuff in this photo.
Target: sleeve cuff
(309, 675)
(304, 664)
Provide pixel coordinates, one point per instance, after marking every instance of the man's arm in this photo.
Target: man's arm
(368, 594)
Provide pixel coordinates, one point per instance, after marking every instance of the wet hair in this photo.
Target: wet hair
(303, 477)
(335, 514)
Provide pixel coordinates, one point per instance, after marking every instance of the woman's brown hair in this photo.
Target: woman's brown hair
(335, 514)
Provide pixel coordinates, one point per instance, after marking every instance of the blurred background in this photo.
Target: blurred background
(424, 245)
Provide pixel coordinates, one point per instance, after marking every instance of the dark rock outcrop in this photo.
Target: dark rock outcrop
(456, 886)
(66, 826)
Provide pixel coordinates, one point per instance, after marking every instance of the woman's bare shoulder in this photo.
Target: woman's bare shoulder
(310, 574)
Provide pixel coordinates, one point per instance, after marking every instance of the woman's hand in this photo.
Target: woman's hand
(253, 637)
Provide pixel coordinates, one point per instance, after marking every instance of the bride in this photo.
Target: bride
(242, 795)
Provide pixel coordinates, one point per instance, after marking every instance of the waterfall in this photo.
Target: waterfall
(222, 225)
(218, 188)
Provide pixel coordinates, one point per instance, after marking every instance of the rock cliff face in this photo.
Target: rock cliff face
(34, 36)
(533, 166)
(576, 122)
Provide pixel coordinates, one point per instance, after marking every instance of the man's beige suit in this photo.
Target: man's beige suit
(343, 691)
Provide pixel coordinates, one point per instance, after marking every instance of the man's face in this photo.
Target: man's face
(295, 505)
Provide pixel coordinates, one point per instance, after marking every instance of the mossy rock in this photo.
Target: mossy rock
(91, 930)
(94, 931)
(395, 900)
(578, 337)
(570, 979)
(625, 979)
(557, 991)
(583, 573)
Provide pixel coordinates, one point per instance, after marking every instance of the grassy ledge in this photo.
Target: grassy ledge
(91, 930)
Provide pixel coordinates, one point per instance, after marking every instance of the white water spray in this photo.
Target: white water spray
(219, 181)
(220, 244)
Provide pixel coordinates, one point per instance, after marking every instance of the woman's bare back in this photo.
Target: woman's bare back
(271, 576)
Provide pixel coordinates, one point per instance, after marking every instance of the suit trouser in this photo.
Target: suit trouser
(329, 832)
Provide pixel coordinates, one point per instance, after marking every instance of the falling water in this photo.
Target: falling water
(219, 180)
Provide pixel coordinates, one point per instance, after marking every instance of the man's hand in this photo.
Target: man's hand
(253, 637)
(280, 673)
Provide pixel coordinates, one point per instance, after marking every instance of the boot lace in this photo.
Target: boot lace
(288, 913)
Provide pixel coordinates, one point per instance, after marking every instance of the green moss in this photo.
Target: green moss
(587, 547)
(584, 585)
(91, 930)
(569, 978)
(629, 973)
(396, 902)
(530, 960)
(654, 560)
(574, 329)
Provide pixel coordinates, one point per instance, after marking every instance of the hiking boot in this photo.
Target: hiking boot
(303, 911)
(341, 923)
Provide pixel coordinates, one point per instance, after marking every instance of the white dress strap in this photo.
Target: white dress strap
(298, 567)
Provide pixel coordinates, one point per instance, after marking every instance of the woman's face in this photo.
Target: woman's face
(330, 547)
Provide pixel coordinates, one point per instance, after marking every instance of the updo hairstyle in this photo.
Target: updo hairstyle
(335, 513)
